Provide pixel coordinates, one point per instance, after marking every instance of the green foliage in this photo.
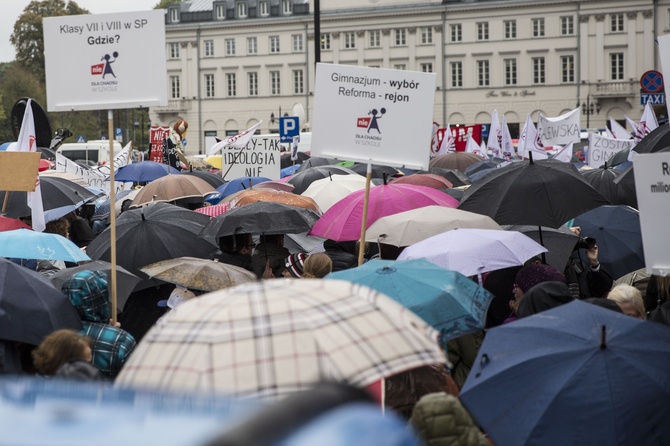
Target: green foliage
(163, 4)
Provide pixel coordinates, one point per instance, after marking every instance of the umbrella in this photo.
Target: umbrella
(619, 158)
(274, 196)
(455, 177)
(655, 141)
(275, 337)
(559, 242)
(410, 227)
(315, 161)
(579, 374)
(276, 185)
(328, 191)
(198, 274)
(423, 179)
(260, 218)
(30, 306)
(482, 164)
(235, 185)
(28, 244)
(455, 160)
(102, 206)
(172, 188)
(447, 300)
(215, 161)
(9, 224)
(618, 235)
(302, 180)
(144, 171)
(64, 175)
(215, 209)
(288, 171)
(126, 281)
(378, 171)
(153, 233)
(342, 222)
(474, 251)
(286, 161)
(602, 180)
(541, 193)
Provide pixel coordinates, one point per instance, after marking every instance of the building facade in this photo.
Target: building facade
(233, 63)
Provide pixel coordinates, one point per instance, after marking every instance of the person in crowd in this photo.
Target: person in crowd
(66, 354)
(80, 231)
(268, 260)
(317, 266)
(178, 296)
(235, 250)
(89, 294)
(629, 299)
(528, 277)
(295, 265)
(658, 292)
(501, 284)
(544, 296)
(344, 255)
(587, 278)
(462, 352)
(62, 228)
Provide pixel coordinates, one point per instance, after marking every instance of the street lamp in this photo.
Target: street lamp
(589, 108)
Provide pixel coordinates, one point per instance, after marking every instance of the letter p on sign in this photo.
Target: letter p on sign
(288, 128)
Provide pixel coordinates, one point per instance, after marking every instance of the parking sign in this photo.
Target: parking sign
(289, 126)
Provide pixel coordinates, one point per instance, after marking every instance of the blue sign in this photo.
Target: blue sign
(118, 131)
(289, 126)
(485, 130)
(653, 99)
(652, 82)
(81, 139)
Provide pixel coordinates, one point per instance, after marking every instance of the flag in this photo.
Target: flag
(618, 131)
(26, 142)
(507, 147)
(560, 130)
(527, 138)
(633, 127)
(609, 133)
(495, 136)
(238, 141)
(294, 148)
(471, 146)
(434, 141)
(564, 154)
(448, 143)
(648, 122)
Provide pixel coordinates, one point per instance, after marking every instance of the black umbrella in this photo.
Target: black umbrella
(153, 233)
(559, 242)
(286, 161)
(315, 161)
(456, 177)
(481, 165)
(657, 139)
(619, 158)
(260, 218)
(603, 180)
(302, 180)
(42, 127)
(30, 307)
(210, 177)
(539, 193)
(378, 170)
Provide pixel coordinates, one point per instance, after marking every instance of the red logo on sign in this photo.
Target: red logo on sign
(363, 123)
(97, 69)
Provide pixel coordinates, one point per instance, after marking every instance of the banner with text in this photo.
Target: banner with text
(157, 137)
(460, 134)
(260, 158)
(561, 130)
(376, 114)
(602, 148)
(96, 177)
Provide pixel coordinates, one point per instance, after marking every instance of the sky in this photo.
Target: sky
(12, 9)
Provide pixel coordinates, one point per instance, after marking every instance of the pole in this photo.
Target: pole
(112, 215)
(361, 247)
(317, 33)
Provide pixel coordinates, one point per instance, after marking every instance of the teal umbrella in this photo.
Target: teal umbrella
(27, 244)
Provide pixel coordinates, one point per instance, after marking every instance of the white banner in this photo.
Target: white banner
(363, 114)
(664, 53)
(260, 158)
(96, 177)
(602, 148)
(561, 130)
(105, 61)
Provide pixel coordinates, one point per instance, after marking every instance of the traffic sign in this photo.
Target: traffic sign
(289, 126)
(652, 82)
(81, 139)
(653, 99)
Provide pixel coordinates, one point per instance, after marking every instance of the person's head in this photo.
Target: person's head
(531, 275)
(543, 296)
(180, 127)
(177, 297)
(317, 266)
(273, 239)
(295, 265)
(89, 295)
(629, 299)
(241, 244)
(60, 227)
(60, 347)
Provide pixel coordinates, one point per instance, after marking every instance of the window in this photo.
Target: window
(483, 31)
(400, 37)
(400, 66)
(456, 74)
(252, 45)
(253, 83)
(274, 44)
(242, 10)
(510, 29)
(426, 35)
(209, 85)
(567, 25)
(286, 7)
(538, 27)
(325, 41)
(298, 84)
(510, 71)
(175, 90)
(264, 9)
(174, 51)
(567, 69)
(174, 15)
(483, 75)
(426, 67)
(220, 12)
(616, 22)
(297, 43)
(456, 32)
(375, 39)
(616, 64)
(349, 40)
(275, 83)
(231, 84)
(209, 48)
(538, 70)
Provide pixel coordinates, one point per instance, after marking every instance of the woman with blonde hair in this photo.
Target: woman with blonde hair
(629, 300)
(317, 266)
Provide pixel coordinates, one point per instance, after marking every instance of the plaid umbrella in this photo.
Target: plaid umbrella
(275, 337)
(198, 274)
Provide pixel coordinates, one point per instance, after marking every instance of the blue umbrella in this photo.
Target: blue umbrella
(26, 244)
(445, 299)
(576, 374)
(288, 171)
(144, 171)
(239, 184)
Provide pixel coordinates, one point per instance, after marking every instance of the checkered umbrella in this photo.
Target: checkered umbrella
(278, 336)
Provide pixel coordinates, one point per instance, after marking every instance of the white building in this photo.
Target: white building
(232, 63)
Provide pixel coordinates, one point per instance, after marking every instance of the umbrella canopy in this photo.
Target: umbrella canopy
(215, 209)
(28, 244)
(276, 185)
(342, 222)
(602, 180)
(50, 173)
(102, 205)
(474, 251)
(234, 186)
(211, 178)
(447, 300)
(424, 179)
(274, 196)
(286, 161)
(455, 160)
(578, 374)
(455, 177)
(126, 281)
(314, 161)
(541, 193)
(171, 188)
(328, 191)
(260, 218)
(30, 306)
(559, 242)
(655, 141)
(618, 236)
(482, 164)
(153, 233)
(378, 171)
(144, 171)
(410, 227)
(275, 337)
(302, 180)
(198, 274)
(9, 224)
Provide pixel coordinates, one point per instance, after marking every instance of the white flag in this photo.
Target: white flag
(448, 144)
(648, 122)
(609, 133)
(434, 143)
(238, 141)
(561, 130)
(527, 138)
(507, 147)
(564, 154)
(27, 142)
(294, 148)
(494, 140)
(618, 131)
(633, 126)
(471, 146)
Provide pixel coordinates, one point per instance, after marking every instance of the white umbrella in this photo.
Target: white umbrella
(328, 191)
(475, 251)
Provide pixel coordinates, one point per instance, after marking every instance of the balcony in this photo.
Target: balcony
(174, 106)
(625, 89)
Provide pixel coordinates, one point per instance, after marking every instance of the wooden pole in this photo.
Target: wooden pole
(361, 247)
(112, 215)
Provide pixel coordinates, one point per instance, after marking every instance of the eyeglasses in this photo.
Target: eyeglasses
(251, 245)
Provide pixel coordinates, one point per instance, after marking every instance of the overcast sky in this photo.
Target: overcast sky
(12, 9)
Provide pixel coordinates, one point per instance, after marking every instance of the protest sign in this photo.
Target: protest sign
(261, 157)
(18, 170)
(560, 130)
(601, 148)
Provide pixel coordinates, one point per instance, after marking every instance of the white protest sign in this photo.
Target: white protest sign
(664, 52)
(652, 182)
(363, 114)
(105, 61)
(559, 131)
(260, 158)
(96, 177)
(602, 148)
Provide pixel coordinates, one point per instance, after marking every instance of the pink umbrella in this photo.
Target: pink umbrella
(214, 210)
(342, 222)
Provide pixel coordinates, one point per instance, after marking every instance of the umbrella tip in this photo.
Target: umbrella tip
(603, 344)
(530, 157)
(483, 362)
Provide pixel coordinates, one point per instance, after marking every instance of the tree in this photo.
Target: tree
(163, 4)
(17, 82)
(28, 35)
